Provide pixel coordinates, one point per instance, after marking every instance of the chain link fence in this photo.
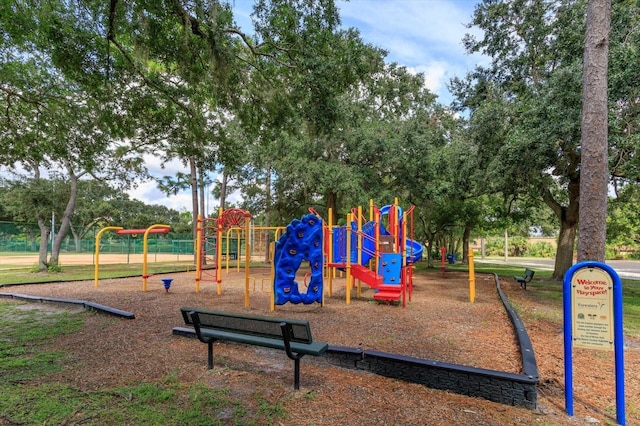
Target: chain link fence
(16, 237)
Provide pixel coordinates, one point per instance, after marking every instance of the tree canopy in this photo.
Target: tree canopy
(298, 111)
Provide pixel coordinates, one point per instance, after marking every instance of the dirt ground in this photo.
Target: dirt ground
(439, 323)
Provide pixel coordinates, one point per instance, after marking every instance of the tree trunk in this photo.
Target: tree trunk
(201, 188)
(431, 242)
(568, 218)
(44, 244)
(332, 203)
(430, 238)
(594, 175)
(77, 238)
(442, 242)
(223, 190)
(194, 195)
(564, 254)
(66, 220)
(44, 233)
(465, 244)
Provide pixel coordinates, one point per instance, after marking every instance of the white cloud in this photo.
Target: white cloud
(424, 35)
(435, 75)
(158, 168)
(434, 21)
(149, 193)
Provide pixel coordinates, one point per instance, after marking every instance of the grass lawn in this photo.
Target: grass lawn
(550, 291)
(27, 399)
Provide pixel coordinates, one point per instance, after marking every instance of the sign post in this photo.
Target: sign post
(592, 300)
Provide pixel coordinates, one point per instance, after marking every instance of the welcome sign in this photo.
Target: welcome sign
(592, 316)
(592, 300)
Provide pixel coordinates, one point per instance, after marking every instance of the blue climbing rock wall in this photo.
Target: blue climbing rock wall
(301, 242)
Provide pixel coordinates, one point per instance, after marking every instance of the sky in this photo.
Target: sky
(423, 35)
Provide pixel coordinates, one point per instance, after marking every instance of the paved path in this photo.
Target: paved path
(625, 268)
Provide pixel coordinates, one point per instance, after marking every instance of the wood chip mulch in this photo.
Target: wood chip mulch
(439, 323)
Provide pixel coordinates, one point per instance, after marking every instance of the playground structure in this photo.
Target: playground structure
(379, 253)
(380, 256)
(231, 238)
(153, 229)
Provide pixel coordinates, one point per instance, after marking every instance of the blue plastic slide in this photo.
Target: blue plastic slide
(302, 241)
(414, 249)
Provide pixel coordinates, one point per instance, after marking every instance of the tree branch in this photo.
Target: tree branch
(12, 93)
(188, 20)
(111, 38)
(111, 34)
(146, 79)
(547, 197)
(194, 24)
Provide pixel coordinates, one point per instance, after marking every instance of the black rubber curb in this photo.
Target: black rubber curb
(498, 386)
(529, 364)
(87, 305)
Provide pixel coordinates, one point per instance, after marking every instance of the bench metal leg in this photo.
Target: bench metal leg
(296, 374)
(286, 336)
(210, 355)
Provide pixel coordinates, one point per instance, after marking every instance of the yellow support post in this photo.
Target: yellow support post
(198, 256)
(376, 239)
(403, 268)
(145, 249)
(272, 250)
(218, 252)
(238, 247)
(472, 278)
(227, 240)
(247, 258)
(396, 225)
(96, 270)
(322, 246)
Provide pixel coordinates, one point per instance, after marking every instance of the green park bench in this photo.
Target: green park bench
(232, 256)
(292, 336)
(523, 281)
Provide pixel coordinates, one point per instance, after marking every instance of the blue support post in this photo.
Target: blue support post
(618, 336)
